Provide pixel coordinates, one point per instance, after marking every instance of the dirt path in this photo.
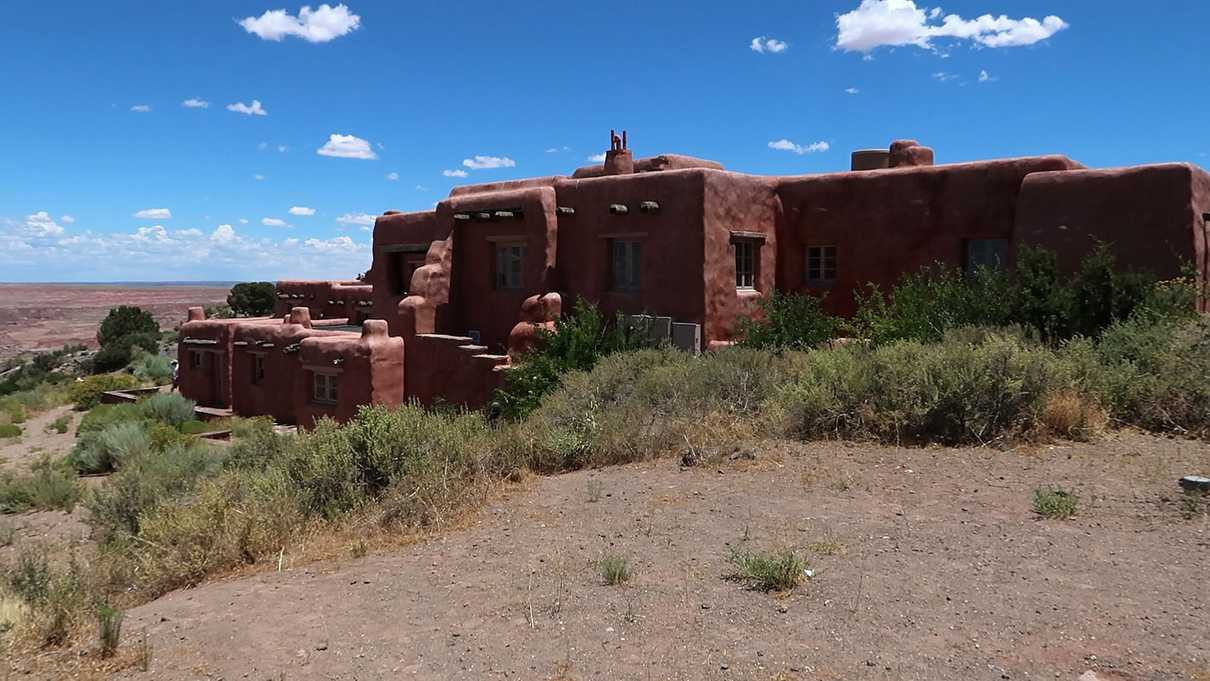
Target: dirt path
(35, 440)
(930, 566)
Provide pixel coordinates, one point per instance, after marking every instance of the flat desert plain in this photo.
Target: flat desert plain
(48, 316)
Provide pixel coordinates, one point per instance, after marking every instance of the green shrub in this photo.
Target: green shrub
(253, 298)
(768, 571)
(8, 430)
(615, 570)
(60, 425)
(50, 485)
(107, 450)
(30, 577)
(219, 312)
(13, 410)
(144, 481)
(111, 358)
(1055, 503)
(104, 415)
(86, 392)
(126, 321)
(577, 343)
(789, 321)
(152, 368)
(948, 392)
(171, 408)
(109, 628)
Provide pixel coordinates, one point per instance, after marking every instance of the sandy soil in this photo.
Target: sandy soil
(48, 316)
(35, 440)
(930, 565)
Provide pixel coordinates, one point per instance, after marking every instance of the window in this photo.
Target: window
(405, 266)
(510, 259)
(821, 264)
(327, 388)
(745, 262)
(992, 253)
(627, 261)
(195, 360)
(258, 369)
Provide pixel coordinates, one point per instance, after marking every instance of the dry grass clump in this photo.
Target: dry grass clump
(1070, 414)
(779, 570)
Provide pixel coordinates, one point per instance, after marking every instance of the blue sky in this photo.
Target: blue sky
(108, 175)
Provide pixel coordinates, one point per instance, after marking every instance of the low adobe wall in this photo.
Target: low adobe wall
(443, 369)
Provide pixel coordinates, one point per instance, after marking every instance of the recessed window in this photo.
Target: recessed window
(327, 388)
(510, 260)
(745, 262)
(406, 265)
(990, 253)
(258, 369)
(195, 360)
(821, 264)
(627, 260)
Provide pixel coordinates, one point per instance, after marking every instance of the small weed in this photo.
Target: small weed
(8, 534)
(143, 654)
(1055, 503)
(615, 570)
(769, 571)
(596, 490)
(30, 578)
(59, 425)
(109, 628)
(1192, 505)
(829, 547)
(359, 549)
(8, 430)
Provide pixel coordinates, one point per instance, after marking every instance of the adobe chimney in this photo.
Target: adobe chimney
(618, 160)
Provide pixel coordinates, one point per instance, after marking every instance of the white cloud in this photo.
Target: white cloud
(315, 26)
(421, 188)
(985, 77)
(66, 219)
(360, 219)
(223, 234)
(283, 148)
(454, 173)
(243, 221)
(141, 108)
(192, 231)
(258, 177)
(764, 45)
(301, 210)
(253, 109)
(152, 233)
(333, 245)
(41, 225)
(944, 77)
(485, 162)
(393, 177)
(195, 103)
(786, 145)
(347, 146)
(555, 150)
(597, 158)
(892, 23)
(154, 214)
(852, 90)
(274, 222)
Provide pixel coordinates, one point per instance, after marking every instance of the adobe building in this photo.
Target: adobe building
(455, 291)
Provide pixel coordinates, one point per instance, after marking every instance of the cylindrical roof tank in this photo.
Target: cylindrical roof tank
(870, 159)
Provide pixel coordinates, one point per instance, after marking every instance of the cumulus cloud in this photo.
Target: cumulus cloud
(985, 77)
(313, 25)
(195, 103)
(454, 173)
(894, 23)
(786, 145)
(243, 221)
(851, 90)
(141, 108)
(763, 45)
(347, 146)
(301, 210)
(223, 234)
(258, 177)
(358, 219)
(154, 214)
(66, 219)
(596, 158)
(274, 222)
(485, 162)
(41, 225)
(253, 109)
(393, 176)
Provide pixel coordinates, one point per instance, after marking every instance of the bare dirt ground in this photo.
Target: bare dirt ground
(35, 440)
(48, 316)
(930, 565)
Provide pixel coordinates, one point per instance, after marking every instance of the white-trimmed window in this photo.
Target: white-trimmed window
(821, 265)
(327, 388)
(627, 261)
(510, 263)
(745, 262)
(990, 253)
